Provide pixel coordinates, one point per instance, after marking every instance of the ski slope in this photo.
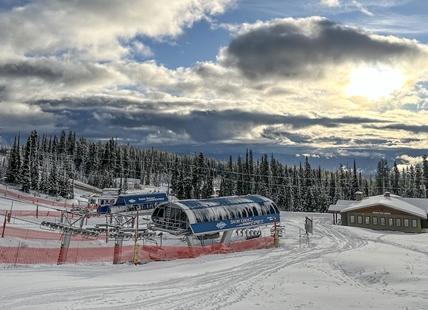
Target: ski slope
(335, 268)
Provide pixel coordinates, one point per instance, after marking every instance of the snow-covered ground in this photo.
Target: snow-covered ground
(335, 268)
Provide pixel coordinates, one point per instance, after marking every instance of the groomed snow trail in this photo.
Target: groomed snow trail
(336, 267)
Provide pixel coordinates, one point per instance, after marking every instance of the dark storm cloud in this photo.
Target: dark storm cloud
(103, 103)
(2, 93)
(301, 48)
(25, 70)
(201, 126)
(56, 71)
(100, 117)
(273, 133)
(411, 128)
(208, 126)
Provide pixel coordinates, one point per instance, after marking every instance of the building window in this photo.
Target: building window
(360, 219)
(382, 221)
(397, 222)
(414, 224)
(352, 218)
(374, 220)
(367, 218)
(406, 222)
(390, 221)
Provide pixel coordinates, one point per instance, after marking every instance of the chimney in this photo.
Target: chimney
(358, 195)
(387, 195)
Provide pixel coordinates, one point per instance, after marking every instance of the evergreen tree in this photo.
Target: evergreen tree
(26, 173)
(14, 163)
(411, 190)
(62, 145)
(382, 177)
(395, 180)
(71, 144)
(34, 160)
(355, 184)
(332, 188)
(228, 181)
(308, 190)
(265, 175)
(240, 187)
(53, 181)
(247, 175)
(297, 195)
(419, 182)
(425, 173)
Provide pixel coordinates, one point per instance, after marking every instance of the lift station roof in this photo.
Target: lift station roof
(204, 216)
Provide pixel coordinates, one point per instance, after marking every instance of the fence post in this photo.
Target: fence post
(4, 225)
(117, 254)
(136, 253)
(10, 213)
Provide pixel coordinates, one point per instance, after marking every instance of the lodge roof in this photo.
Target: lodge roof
(415, 206)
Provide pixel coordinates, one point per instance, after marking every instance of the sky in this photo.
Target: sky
(334, 80)
(336, 267)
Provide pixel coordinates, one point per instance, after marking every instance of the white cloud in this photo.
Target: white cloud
(92, 30)
(362, 8)
(62, 56)
(407, 160)
(330, 3)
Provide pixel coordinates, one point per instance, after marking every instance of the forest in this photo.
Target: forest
(49, 164)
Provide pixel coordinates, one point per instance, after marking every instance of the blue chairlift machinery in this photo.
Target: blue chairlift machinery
(144, 203)
(204, 217)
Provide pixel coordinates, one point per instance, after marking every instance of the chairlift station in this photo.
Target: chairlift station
(207, 218)
(199, 219)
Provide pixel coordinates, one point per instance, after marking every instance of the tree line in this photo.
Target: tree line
(49, 164)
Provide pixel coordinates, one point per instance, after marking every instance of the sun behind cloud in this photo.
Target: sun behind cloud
(374, 82)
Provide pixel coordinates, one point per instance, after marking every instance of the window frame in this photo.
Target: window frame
(398, 222)
(367, 220)
(406, 222)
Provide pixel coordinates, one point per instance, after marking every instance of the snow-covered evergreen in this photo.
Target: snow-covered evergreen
(48, 164)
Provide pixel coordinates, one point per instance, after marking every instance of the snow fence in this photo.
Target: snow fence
(24, 254)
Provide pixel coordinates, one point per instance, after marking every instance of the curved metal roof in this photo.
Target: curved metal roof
(226, 213)
(225, 208)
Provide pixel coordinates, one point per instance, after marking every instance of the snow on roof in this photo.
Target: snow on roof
(393, 202)
(421, 203)
(215, 209)
(336, 208)
(340, 205)
(86, 187)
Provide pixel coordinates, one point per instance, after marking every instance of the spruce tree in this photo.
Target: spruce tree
(53, 180)
(355, 184)
(25, 172)
(14, 164)
(395, 180)
(34, 160)
(240, 187)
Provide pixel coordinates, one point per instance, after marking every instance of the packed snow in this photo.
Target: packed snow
(336, 267)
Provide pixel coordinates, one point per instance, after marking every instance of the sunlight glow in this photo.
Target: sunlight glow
(374, 82)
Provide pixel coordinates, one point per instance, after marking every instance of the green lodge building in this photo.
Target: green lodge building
(382, 212)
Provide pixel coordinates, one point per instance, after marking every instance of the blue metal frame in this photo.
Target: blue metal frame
(134, 199)
(239, 223)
